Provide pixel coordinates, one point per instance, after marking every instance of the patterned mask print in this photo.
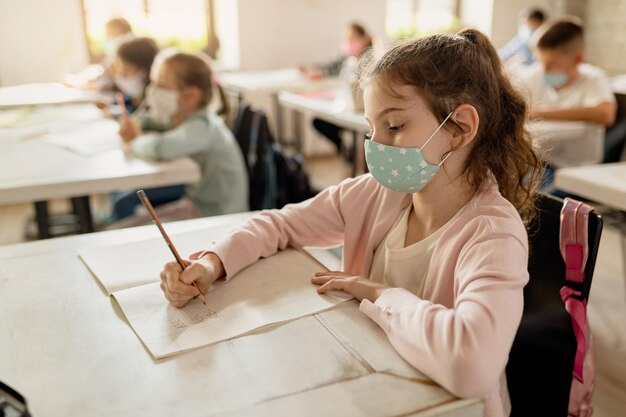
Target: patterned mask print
(401, 169)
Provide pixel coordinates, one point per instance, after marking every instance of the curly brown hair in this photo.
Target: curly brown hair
(452, 69)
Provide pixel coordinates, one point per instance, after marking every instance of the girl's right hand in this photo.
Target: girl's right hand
(176, 284)
(129, 128)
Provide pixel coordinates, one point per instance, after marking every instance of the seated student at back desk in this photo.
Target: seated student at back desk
(100, 76)
(132, 65)
(132, 68)
(179, 124)
(563, 88)
(517, 53)
(356, 42)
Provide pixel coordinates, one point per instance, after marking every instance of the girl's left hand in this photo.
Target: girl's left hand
(358, 287)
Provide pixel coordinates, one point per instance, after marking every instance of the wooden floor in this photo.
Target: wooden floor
(607, 306)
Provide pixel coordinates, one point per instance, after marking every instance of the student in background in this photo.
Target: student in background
(132, 69)
(563, 88)
(355, 42)
(100, 76)
(517, 53)
(118, 31)
(179, 124)
(434, 243)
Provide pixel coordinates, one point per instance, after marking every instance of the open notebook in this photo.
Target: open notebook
(94, 138)
(272, 290)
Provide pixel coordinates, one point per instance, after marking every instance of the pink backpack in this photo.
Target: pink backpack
(574, 249)
(551, 364)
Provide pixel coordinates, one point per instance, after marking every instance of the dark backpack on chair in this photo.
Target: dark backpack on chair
(292, 181)
(276, 177)
(544, 353)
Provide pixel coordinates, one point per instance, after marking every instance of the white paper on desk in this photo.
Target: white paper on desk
(94, 138)
(137, 263)
(272, 290)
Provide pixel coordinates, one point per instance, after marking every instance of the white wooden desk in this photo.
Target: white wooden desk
(333, 105)
(68, 349)
(36, 171)
(271, 82)
(38, 94)
(604, 183)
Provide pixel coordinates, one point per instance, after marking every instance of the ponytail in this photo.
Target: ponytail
(224, 109)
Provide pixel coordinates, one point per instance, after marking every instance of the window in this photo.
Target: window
(181, 23)
(414, 18)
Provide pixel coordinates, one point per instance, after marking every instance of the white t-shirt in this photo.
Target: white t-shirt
(405, 267)
(590, 88)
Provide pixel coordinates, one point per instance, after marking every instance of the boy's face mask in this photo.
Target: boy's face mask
(401, 169)
(554, 79)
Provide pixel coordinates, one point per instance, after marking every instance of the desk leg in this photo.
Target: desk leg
(278, 114)
(622, 229)
(297, 130)
(80, 206)
(617, 220)
(41, 214)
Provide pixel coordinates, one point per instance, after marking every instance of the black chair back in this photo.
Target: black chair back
(539, 371)
(615, 137)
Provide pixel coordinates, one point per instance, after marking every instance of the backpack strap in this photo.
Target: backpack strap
(574, 249)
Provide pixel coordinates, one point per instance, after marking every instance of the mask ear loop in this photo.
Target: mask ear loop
(437, 130)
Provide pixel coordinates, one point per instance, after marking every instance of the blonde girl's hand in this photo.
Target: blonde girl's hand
(129, 128)
(176, 284)
(359, 287)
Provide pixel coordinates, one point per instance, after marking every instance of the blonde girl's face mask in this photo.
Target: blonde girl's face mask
(402, 169)
(163, 102)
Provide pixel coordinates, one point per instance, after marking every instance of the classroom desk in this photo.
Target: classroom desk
(70, 351)
(36, 171)
(604, 183)
(271, 82)
(38, 94)
(333, 105)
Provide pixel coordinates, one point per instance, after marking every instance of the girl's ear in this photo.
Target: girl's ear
(466, 118)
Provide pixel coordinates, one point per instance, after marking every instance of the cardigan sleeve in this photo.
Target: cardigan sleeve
(465, 348)
(318, 221)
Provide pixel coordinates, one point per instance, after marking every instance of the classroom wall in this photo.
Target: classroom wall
(504, 19)
(40, 40)
(606, 34)
(282, 33)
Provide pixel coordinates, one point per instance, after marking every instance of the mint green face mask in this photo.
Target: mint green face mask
(401, 169)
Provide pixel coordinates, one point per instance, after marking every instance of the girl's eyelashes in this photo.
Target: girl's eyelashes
(396, 129)
(369, 135)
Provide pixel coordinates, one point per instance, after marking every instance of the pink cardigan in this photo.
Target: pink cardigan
(461, 332)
